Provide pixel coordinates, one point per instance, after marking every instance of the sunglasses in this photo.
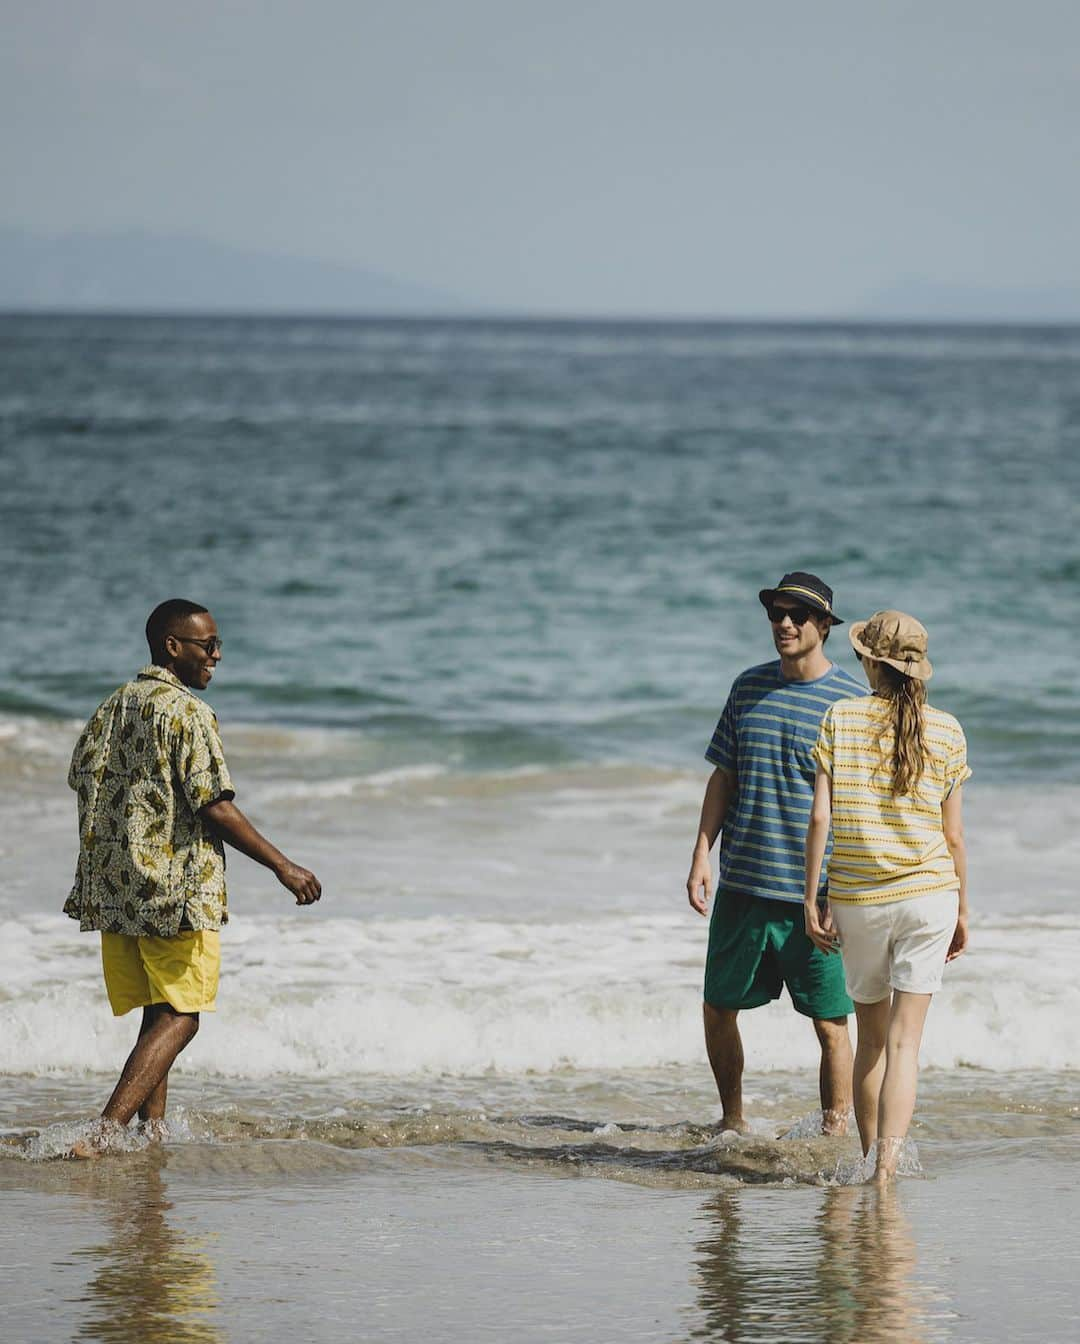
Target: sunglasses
(799, 615)
(209, 646)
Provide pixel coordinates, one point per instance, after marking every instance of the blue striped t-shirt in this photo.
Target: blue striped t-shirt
(766, 735)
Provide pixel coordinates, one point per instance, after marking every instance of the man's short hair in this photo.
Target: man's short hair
(163, 620)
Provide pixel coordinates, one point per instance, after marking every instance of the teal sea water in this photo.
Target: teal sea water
(491, 545)
(483, 588)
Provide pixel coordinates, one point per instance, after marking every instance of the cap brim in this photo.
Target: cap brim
(923, 670)
(854, 634)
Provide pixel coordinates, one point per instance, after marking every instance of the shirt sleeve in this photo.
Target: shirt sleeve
(826, 740)
(199, 761)
(83, 751)
(956, 767)
(723, 750)
(73, 768)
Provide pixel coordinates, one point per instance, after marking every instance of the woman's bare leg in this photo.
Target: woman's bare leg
(869, 1071)
(897, 1104)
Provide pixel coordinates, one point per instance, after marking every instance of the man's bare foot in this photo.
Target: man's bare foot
(834, 1123)
(156, 1131)
(97, 1140)
(735, 1122)
(84, 1150)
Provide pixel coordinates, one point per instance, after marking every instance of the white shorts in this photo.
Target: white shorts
(899, 945)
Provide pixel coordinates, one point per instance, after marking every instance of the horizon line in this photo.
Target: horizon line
(510, 316)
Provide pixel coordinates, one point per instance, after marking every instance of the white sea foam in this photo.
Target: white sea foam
(32, 745)
(349, 786)
(464, 996)
(521, 932)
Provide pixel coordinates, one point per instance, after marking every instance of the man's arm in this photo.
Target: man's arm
(229, 822)
(718, 795)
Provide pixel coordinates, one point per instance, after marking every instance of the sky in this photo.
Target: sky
(779, 158)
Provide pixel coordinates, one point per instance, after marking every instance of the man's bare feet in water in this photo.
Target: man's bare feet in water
(99, 1139)
(737, 1123)
(89, 1148)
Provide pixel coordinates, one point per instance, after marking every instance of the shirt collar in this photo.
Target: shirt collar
(155, 673)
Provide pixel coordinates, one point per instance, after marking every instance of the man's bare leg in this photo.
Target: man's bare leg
(834, 1076)
(147, 1068)
(143, 1083)
(906, 1021)
(724, 1046)
(873, 1020)
(152, 1111)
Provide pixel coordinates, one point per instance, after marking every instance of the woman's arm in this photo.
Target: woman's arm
(819, 926)
(953, 826)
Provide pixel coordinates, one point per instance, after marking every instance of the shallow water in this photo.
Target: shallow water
(648, 1127)
(242, 1241)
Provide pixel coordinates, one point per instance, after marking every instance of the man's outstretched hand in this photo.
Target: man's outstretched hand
(229, 822)
(304, 885)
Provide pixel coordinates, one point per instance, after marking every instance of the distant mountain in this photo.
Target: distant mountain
(916, 300)
(152, 272)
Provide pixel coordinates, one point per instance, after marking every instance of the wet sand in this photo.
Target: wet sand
(297, 1239)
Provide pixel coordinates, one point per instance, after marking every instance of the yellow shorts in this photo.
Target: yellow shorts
(181, 971)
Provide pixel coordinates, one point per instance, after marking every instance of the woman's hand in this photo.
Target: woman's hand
(820, 928)
(959, 943)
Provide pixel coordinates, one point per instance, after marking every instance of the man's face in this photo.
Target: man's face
(791, 639)
(187, 650)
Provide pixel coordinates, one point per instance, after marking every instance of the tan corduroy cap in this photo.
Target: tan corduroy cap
(895, 638)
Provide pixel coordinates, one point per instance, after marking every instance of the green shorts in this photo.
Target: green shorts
(756, 947)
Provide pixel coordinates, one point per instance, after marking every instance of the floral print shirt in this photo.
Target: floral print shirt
(144, 765)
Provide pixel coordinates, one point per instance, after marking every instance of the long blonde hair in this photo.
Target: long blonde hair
(908, 696)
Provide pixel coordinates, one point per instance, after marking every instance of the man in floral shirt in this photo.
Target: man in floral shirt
(155, 805)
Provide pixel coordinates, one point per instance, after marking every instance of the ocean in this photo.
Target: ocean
(483, 587)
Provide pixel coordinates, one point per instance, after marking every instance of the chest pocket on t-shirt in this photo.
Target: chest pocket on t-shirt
(800, 757)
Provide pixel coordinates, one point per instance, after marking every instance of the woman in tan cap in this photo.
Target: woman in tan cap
(889, 774)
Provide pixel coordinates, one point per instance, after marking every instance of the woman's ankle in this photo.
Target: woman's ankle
(889, 1149)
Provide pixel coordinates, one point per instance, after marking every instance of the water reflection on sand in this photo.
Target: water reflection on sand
(206, 1242)
(846, 1274)
(151, 1280)
(837, 1265)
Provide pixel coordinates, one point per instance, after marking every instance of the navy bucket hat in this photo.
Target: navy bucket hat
(807, 588)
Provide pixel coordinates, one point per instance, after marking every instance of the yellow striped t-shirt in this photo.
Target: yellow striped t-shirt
(886, 848)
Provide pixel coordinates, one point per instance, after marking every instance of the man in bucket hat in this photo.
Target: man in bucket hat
(758, 799)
